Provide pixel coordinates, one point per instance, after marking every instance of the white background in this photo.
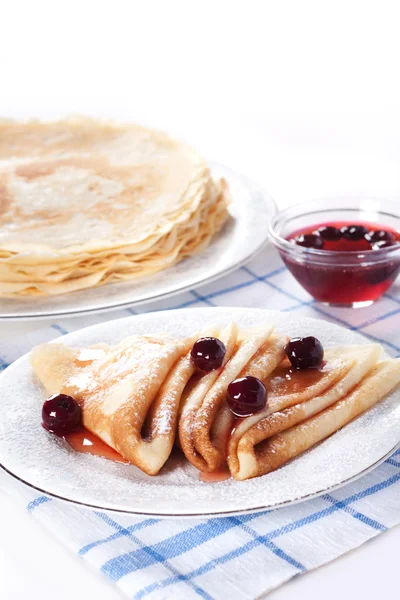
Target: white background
(303, 96)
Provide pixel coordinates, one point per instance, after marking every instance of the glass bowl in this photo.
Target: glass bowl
(339, 278)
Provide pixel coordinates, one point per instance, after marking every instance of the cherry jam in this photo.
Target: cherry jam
(86, 442)
(355, 279)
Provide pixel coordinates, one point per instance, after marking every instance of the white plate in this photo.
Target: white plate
(242, 237)
(51, 466)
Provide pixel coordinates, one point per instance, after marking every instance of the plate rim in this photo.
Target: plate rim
(248, 182)
(197, 515)
(212, 515)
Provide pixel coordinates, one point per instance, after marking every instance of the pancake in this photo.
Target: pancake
(281, 448)
(253, 448)
(195, 394)
(261, 365)
(129, 393)
(206, 422)
(83, 203)
(291, 393)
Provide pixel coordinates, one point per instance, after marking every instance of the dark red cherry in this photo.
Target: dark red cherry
(384, 244)
(330, 233)
(305, 353)
(246, 396)
(310, 240)
(354, 232)
(208, 353)
(379, 236)
(61, 414)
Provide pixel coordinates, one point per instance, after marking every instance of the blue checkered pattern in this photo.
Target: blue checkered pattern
(213, 559)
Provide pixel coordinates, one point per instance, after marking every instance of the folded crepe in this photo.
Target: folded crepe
(295, 395)
(129, 393)
(195, 393)
(266, 446)
(84, 202)
(206, 421)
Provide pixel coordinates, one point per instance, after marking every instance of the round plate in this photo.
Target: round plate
(241, 238)
(48, 464)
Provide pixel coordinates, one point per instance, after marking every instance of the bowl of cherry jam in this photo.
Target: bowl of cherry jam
(343, 251)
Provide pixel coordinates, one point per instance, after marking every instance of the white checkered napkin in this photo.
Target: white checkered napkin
(172, 559)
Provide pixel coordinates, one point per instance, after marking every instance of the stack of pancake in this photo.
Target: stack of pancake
(83, 203)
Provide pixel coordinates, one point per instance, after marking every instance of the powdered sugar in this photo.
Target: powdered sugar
(49, 464)
(135, 361)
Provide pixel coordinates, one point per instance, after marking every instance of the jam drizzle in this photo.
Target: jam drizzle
(286, 380)
(221, 474)
(87, 443)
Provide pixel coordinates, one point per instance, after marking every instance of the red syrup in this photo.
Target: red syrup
(221, 474)
(337, 282)
(86, 442)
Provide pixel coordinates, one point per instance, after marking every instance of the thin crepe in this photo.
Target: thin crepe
(84, 203)
(206, 421)
(261, 452)
(296, 395)
(129, 393)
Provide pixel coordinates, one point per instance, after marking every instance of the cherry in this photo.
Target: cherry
(384, 244)
(379, 236)
(61, 414)
(305, 353)
(310, 240)
(246, 396)
(354, 232)
(330, 233)
(208, 354)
